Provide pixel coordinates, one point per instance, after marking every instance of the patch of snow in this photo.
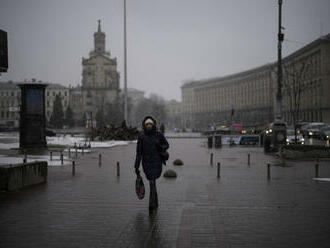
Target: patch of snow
(11, 140)
(322, 179)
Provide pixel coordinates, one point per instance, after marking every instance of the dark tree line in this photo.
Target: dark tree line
(111, 114)
(59, 118)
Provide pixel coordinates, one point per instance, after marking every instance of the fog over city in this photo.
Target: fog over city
(169, 42)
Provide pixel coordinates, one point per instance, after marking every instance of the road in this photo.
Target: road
(242, 208)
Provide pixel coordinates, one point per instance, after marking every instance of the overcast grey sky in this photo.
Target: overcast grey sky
(169, 41)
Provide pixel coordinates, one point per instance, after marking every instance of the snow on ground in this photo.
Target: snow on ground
(322, 179)
(81, 140)
(11, 141)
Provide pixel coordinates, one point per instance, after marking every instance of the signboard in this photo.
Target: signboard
(14, 109)
(34, 101)
(32, 116)
(3, 51)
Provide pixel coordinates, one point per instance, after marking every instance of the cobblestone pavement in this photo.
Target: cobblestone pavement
(95, 208)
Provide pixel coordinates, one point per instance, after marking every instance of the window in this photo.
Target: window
(7, 114)
(47, 103)
(65, 93)
(12, 93)
(47, 93)
(54, 93)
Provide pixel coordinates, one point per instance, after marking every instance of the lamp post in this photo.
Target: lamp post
(125, 67)
(280, 36)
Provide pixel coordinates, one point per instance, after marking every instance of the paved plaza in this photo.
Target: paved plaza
(242, 208)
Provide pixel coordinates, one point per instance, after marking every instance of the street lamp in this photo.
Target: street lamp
(125, 67)
(280, 36)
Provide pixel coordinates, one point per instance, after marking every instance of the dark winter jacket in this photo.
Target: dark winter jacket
(149, 145)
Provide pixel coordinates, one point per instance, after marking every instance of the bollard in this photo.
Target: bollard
(25, 158)
(248, 159)
(76, 152)
(69, 155)
(51, 156)
(268, 171)
(82, 151)
(61, 158)
(118, 169)
(211, 159)
(73, 168)
(75, 145)
(100, 159)
(218, 170)
(316, 170)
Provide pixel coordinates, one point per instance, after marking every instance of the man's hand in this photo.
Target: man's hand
(137, 171)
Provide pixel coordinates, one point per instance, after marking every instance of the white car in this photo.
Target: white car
(290, 138)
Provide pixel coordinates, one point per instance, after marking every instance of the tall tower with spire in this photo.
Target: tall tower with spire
(100, 78)
(99, 40)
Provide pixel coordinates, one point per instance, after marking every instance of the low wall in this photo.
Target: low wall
(305, 151)
(15, 177)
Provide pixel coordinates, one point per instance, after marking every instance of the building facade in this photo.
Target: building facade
(173, 110)
(306, 83)
(249, 97)
(52, 90)
(10, 100)
(100, 78)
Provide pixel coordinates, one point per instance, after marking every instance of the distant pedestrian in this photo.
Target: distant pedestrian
(162, 128)
(149, 146)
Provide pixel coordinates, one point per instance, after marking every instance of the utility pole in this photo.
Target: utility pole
(125, 67)
(279, 114)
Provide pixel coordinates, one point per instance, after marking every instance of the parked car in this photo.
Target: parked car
(312, 130)
(325, 132)
(237, 128)
(291, 139)
(249, 140)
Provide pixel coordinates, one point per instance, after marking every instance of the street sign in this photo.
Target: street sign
(3, 51)
(14, 109)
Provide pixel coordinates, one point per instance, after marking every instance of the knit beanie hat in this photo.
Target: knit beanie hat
(148, 121)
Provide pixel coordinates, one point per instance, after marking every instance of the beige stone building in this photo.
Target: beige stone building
(307, 80)
(10, 101)
(173, 110)
(249, 97)
(100, 78)
(52, 90)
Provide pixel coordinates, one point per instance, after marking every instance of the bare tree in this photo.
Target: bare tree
(295, 73)
(154, 106)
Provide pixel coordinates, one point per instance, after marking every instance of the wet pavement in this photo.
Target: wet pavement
(95, 208)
